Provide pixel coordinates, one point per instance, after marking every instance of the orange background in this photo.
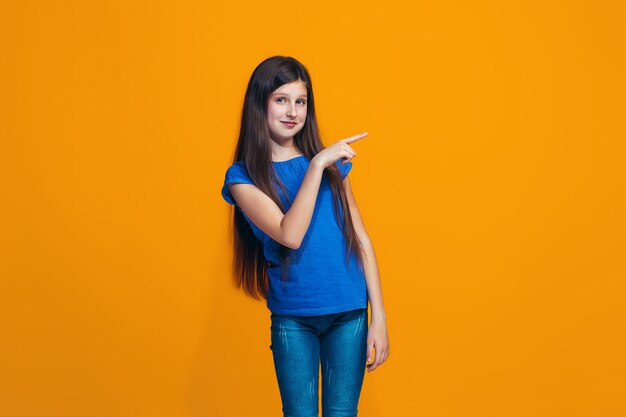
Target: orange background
(492, 184)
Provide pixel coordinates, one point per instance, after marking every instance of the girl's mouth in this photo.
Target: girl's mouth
(289, 124)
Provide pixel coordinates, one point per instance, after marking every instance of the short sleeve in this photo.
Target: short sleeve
(344, 168)
(237, 173)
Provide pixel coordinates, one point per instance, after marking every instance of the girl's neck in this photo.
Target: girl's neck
(283, 151)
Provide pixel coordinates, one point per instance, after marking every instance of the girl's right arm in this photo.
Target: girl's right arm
(289, 228)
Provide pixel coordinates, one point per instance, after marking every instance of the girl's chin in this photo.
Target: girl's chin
(286, 134)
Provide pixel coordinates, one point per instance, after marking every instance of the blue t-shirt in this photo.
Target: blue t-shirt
(319, 281)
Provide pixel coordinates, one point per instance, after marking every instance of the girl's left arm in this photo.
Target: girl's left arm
(377, 337)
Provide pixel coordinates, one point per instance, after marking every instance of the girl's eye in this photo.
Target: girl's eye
(301, 102)
(280, 100)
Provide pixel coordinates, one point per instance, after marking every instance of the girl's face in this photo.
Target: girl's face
(286, 111)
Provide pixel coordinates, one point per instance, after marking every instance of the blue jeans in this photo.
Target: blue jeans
(300, 343)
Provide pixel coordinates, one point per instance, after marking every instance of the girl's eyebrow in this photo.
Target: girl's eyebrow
(285, 94)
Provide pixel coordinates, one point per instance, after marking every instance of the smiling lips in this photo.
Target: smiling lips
(289, 124)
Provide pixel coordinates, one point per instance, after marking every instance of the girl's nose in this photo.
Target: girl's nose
(291, 111)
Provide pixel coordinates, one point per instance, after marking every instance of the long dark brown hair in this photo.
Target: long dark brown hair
(253, 149)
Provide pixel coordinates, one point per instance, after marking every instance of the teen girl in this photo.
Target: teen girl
(300, 243)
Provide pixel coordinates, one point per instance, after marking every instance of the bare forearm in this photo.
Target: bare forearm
(372, 278)
(296, 221)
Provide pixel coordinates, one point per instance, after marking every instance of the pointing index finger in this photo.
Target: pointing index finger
(355, 137)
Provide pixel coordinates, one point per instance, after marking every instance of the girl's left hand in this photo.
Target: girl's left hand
(378, 339)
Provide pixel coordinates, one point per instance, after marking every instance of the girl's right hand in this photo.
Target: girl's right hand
(339, 150)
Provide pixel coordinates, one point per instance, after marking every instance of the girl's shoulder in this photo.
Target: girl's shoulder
(236, 173)
(344, 168)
